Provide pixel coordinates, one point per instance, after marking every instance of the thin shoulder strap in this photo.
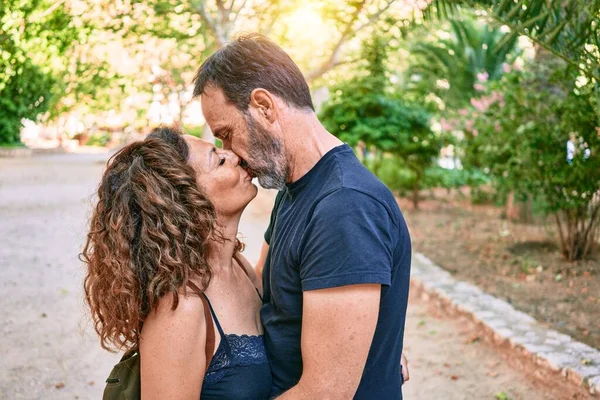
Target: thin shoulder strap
(239, 262)
(210, 328)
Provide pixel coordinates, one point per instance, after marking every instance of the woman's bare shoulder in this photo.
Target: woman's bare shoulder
(187, 318)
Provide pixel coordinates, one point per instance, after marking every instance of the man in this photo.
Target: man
(337, 265)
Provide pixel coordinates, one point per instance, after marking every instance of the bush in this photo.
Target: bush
(363, 110)
(395, 174)
(194, 130)
(521, 136)
(98, 139)
(24, 95)
(438, 177)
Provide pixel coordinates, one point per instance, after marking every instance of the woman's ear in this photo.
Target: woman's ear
(263, 103)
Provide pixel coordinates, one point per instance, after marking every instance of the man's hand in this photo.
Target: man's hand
(404, 363)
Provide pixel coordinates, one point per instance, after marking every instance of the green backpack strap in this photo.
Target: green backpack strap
(124, 382)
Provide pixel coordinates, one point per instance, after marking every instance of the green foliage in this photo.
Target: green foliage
(520, 137)
(362, 110)
(473, 48)
(567, 28)
(24, 95)
(395, 174)
(438, 177)
(98, 139)
(26, 79)
(44, 58)
(195, 130)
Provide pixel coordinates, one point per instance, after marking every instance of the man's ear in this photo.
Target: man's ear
(264, 104)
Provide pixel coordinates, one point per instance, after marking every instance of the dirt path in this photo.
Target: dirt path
(448, 362)
(48, 348)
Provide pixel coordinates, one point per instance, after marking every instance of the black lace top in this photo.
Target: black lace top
(239, 369)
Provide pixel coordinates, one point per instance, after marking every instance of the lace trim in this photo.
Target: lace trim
(245, 350)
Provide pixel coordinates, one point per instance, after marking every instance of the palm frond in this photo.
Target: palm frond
(564, 27)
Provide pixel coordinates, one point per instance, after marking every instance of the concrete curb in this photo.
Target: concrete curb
(15, 152)
(556, 353)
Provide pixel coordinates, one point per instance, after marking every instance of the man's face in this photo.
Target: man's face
(262, 153)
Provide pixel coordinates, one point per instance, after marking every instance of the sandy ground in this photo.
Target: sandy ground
(48, 347)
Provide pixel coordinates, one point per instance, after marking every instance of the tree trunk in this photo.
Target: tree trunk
(582, 229)
(519, 211)
(415, 191)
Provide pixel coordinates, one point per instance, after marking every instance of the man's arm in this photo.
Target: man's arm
(338, 325)
(259, 269)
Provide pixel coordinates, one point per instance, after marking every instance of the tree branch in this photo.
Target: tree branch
(222, 11)
(238, 12)
(266, 31)
(52, 8)
(331, 61)
(217, 32)
(230, 8)
(375, 16)
(348, 33)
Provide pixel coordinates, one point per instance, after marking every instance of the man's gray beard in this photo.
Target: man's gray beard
(267, 159)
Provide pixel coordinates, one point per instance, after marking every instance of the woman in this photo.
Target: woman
(167, 218)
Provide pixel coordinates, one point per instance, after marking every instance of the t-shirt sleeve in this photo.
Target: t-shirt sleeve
(349, 240)
(269, 230)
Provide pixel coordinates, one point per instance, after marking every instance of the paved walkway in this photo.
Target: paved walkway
(49, 350)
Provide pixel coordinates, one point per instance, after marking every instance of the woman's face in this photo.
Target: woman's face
(225, 182)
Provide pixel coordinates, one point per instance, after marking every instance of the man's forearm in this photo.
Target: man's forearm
(301, 392)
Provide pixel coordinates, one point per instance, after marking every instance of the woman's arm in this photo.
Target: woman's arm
(172, 350)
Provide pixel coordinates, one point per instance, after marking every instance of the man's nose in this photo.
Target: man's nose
(226, 144)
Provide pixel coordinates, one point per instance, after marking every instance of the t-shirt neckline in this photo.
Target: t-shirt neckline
(296, 186)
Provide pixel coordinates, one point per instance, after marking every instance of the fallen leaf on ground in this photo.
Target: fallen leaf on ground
(59, 385)
(501, 396)
(454, 377)
(473, 339)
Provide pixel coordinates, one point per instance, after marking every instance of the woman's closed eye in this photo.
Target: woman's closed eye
(221, 161)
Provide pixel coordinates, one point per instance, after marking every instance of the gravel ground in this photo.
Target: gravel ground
(49, 349)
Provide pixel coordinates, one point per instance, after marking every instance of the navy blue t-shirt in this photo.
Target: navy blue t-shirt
(337, 225)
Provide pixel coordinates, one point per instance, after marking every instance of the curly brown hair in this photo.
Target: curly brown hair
(149, 233)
